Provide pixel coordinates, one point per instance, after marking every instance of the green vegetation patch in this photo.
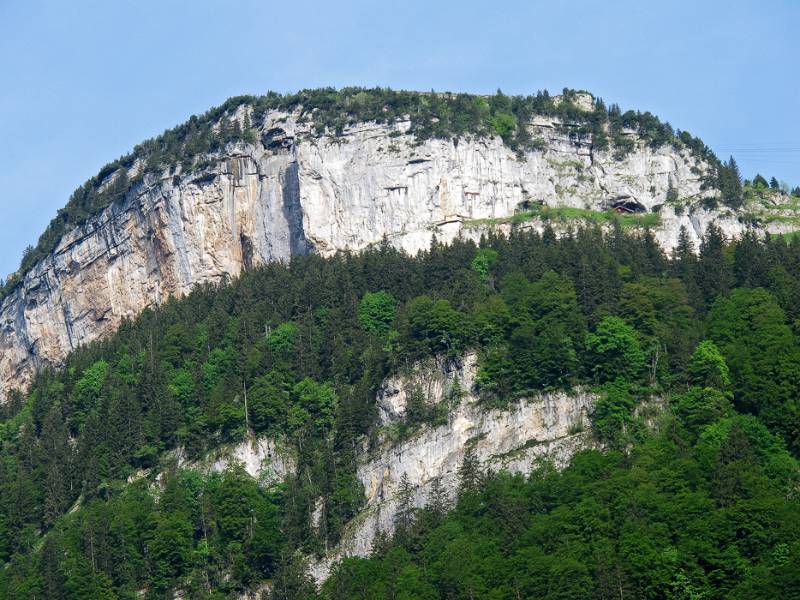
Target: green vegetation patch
(566, 214)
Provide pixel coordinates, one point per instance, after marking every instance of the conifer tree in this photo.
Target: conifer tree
(729, 181)
(712, 274)
(672, 192)
(438, 501)
(406, 511)
(470, 474)
(683, 256)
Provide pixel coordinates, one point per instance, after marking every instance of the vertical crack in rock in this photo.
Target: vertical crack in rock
(68, 324)
(293, 210)
(698, 230)
(247, 251)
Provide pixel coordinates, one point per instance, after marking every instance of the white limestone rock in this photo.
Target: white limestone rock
(436, 379)
(294, 192)
(263, 458)
(550, 426)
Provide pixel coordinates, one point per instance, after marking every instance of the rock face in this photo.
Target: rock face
(294, 192)
(549, 425)
(262, 458)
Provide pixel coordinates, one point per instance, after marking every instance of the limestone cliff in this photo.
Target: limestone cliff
(552, 426)
(294, 191)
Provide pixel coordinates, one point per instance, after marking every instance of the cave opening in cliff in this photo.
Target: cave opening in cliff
(628, 206)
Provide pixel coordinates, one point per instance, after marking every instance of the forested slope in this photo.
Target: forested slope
(698, 500)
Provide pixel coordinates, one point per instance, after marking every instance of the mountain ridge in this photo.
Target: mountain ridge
(208, 133)
(323, 180)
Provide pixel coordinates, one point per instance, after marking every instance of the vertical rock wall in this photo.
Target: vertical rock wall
(293, 192)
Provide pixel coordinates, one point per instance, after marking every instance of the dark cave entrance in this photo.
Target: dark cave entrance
(627, 205)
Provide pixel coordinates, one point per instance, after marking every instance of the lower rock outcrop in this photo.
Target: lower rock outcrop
(549, 426)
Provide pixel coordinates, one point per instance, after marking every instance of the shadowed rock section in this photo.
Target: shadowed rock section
(293, 211)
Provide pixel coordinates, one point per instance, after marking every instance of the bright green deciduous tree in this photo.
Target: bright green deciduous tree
(319, 401)
(88, 388)
(612, 412)
(268, 399)
(614, 351)
(434, 326)
(181, 386)
(701, 406)
(282, 339)
(376, 312)
(484, 260)
(707, 367)
(763, 355)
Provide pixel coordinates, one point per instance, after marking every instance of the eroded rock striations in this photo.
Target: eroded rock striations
(294, 192)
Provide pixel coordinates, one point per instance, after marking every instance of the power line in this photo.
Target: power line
(761, 151)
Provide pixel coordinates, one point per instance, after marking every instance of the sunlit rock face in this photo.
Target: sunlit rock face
(293, 192)
(550, 426)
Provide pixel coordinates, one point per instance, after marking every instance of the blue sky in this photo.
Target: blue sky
(82, 82)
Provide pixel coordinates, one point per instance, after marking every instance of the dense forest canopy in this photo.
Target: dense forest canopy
(432, 115)
(697, 501)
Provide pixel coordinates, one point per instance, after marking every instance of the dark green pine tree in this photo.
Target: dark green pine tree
(292, 581)
(406, 511)
(438, 499)
(713, 273)
(53, 580)
(729, 181)
(57, 459)
(672, 192)
(470, 473)
(684, 267)
(595, 273)
(655, 261)
(436, 506)
(684, 259)
(750, 262)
